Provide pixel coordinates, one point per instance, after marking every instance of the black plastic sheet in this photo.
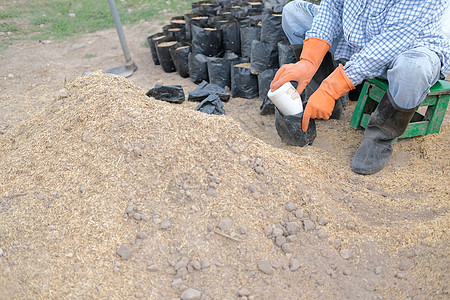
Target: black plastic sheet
(264, 80)
(211, 105)
(243, 83)
(180, 57)
(264, 56)
(168, 93)
(204, 89)
(289, 129)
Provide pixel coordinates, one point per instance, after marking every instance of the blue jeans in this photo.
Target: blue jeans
(410, 75)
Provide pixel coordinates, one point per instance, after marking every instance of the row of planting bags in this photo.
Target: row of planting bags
(228, 45)
(234, 44)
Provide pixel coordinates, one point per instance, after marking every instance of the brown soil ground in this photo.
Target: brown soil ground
(203, 202)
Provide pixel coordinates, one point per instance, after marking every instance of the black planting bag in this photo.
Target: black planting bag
(285, 54)
(271, 30)
(264, 80)
(198, 67)
(180, 57)
(243, 83)
(164, 56)
(289, 129)
(152, 41)
(206, 40)
(248, 34)
(264, 56)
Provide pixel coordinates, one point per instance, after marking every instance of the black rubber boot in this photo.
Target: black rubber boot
(326, 68)
(387, 123)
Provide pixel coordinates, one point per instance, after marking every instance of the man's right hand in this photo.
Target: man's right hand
(313, 52)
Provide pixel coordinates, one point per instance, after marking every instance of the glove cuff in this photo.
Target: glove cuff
(314, 50)
(337, 84)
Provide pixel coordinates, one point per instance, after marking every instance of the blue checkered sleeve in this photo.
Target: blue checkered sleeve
(375, 32)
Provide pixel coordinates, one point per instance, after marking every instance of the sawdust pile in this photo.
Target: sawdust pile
(108, 168)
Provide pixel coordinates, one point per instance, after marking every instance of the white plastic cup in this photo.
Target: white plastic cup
(286, 99)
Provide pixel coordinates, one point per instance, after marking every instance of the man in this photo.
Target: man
(399, 40)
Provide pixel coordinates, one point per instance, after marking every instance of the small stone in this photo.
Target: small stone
(195, 264)
(259, 170)
(313, 217)
(323, 234)
(400, 275)
(1, 252)
(294, 264)
(268, 230)
(225, 224)
(10, 75)
(181, 264)
(299, 213)
(291, 238)
(287, 248)
(99, 288)
(292, 227)
(290, 206)
(139, 295)
(77, 266)
(266, 267)
(206, 264)
(153, 268)
(347, 272)
(212, 192)
(378, 270)
(243, 293)
(309, 225)
(277, 232)
(177, 283)
(280, 240)
(345, 254)
(124, 251)
(336, 243)
(351, 225)
(63, 93)
(323, 221)
(165, 224)
(191, 294)
(72, 15)
(142, 235)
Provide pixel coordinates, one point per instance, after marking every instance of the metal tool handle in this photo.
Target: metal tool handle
(123, 42)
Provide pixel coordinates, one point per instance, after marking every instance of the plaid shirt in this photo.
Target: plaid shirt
(377, 31)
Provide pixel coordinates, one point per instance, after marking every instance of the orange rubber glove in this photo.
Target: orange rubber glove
(320, 104)
(313, 52)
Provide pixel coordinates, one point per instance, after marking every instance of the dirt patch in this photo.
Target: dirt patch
(107, 193)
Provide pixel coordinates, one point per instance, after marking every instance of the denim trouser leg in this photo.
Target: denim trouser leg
(411, 75)
(297, 20)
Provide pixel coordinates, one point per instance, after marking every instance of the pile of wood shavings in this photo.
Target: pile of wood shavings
(73, 170)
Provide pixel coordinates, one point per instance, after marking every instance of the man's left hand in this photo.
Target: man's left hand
(321, 103)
